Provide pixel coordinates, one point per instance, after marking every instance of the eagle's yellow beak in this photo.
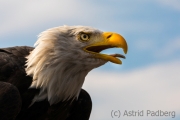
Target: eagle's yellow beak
(109, 40)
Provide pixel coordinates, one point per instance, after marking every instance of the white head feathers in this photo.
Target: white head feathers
(58, 63)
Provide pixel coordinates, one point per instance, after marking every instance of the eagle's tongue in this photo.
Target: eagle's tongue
(118, 55)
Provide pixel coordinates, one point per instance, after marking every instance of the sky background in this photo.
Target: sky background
(148, 79)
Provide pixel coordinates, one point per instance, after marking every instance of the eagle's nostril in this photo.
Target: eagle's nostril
(109, 36)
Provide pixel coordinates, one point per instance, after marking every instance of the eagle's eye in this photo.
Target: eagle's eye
(84, 37)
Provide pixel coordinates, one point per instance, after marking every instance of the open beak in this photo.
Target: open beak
(109, 40)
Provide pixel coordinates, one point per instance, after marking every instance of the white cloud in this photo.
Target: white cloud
(152, 88)
(173, 4)
(16, 16)
(29, 15)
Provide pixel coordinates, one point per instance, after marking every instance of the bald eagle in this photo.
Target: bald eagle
(45, 82)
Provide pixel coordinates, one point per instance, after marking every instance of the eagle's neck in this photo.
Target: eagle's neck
(59, 81)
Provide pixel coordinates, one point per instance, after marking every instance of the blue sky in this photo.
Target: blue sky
(151, 29)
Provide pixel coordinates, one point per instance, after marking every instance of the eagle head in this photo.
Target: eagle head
(64, 55)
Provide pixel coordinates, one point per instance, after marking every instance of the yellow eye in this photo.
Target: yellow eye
(84, 37)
